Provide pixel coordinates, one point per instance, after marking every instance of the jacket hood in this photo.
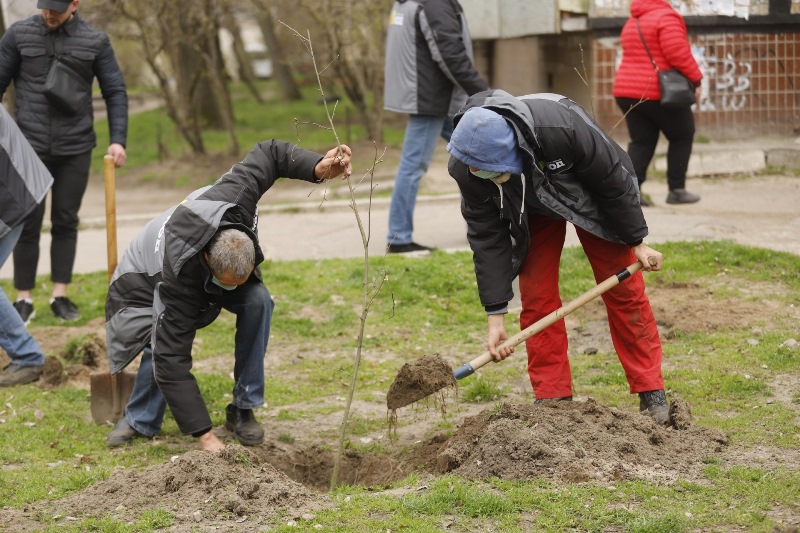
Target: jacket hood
(484, 139)
(510, 107)
(642, 7)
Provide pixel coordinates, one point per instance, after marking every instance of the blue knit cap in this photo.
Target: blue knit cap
(484, 140)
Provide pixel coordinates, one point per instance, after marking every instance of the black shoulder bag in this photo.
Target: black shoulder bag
(676, 89)
(68, 82)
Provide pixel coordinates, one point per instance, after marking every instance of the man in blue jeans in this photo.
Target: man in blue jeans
(24, 181)
(183, 268)
(428, 75)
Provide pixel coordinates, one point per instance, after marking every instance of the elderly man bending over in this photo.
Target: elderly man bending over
(179, 272)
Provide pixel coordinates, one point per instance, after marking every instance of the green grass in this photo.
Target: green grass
(50, 447)
(253, 122)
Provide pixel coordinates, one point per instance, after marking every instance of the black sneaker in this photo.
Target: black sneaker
(122, 433)
(64, 309)
(407, 248)
(244, 425)
(561, 399)
(654, 403)
(25, 310)
(15, 374)
(681, 196)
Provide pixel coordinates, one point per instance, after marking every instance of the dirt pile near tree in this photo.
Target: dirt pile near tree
(575, 442)
(199, 488)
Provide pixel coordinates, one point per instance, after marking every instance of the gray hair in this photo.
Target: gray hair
(231, 252)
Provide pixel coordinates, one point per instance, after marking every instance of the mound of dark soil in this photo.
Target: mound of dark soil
(575, 441)
(198, 488)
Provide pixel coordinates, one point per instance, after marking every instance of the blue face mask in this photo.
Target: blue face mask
(218, 283)
(485, 174)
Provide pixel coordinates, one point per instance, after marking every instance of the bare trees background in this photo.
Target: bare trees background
(176, 47)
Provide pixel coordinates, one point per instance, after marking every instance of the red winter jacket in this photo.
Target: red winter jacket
(665, 33)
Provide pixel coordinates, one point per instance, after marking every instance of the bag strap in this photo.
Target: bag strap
(646, 49)
(65, 59)
(48, 44)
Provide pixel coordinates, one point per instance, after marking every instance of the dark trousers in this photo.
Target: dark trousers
(70, 174)
(645, 119)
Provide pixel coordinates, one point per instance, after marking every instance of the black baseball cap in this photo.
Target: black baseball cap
(54, 5)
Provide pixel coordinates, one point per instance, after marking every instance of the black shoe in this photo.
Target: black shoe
(25, 310)
(64, 309)
(407, 248)
(244, 425)
(681, 196)
(15, 374)
(654, 403)
(122, 433)
(561, 399)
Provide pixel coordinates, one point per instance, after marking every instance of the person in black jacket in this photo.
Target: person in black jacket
(63, 138)
(525, 167)
(24, 181)
(428, 74)
(174, 278)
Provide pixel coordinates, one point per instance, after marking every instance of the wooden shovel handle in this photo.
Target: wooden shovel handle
(111, 214)
(556, 315)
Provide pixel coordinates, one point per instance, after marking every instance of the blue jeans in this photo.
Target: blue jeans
(422, 134)
(253, 306)
(14, 338)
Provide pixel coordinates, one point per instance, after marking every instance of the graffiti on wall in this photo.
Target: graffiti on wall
(729, 8)
(726, 81)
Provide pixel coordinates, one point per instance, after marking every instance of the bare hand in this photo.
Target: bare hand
(651, 259)
(497, 334)
(210, 443)
(335, 162)
(117, 151)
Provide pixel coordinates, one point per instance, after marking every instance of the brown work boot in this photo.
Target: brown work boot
(244, 425)
(654, 403)
(15, 374)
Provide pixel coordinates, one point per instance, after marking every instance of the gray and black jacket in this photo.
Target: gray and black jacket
(161, 292)
(24, 180)
(429, 68)
(24, 58)
(573, 171)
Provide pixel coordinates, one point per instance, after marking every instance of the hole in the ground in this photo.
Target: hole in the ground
(313, 465)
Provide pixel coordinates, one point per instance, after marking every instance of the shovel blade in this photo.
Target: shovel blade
(109, 394)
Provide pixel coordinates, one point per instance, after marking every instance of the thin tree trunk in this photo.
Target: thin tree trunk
(245, 66)
(280, 68)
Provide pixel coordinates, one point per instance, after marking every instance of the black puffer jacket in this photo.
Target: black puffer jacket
(161, 292)
(572, 171)
(24, 58)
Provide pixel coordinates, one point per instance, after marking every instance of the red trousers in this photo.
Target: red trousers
(630, 318)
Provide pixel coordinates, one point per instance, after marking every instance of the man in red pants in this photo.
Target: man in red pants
(525, 167)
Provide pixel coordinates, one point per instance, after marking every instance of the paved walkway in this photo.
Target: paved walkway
(295, 222)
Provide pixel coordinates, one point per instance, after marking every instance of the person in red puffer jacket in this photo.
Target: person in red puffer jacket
(638, 96)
